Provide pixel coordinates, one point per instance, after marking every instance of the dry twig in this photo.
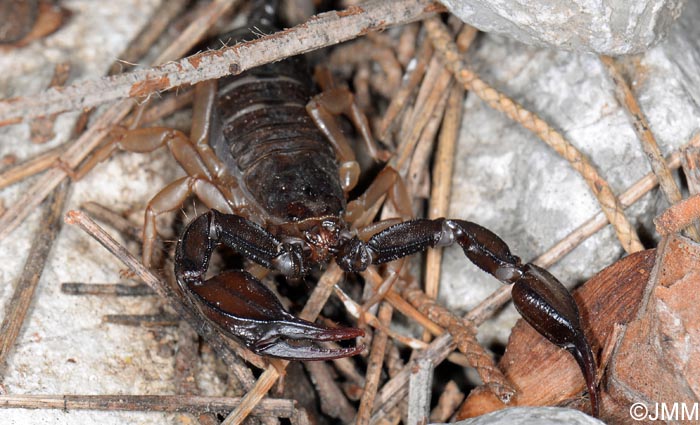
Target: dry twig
(495, 301)
(87, 142)
(641, 126)
(344, 25)
(610, 205)
(218, 342)
(18, 305)
(280, 408)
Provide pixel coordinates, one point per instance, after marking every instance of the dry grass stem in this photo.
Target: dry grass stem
(432, 93)
(18, 305)
(142, 320)
(279, 408)
(30, 167)
(442, 181)
(374, 365)
(89, 140)
(312, 35)
(490, 305)
(464, 334)
(223, 346)
(412, 77)
(641, 126)
(611, 206)
(106, 289)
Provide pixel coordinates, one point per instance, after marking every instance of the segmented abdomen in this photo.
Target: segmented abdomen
(285, 162)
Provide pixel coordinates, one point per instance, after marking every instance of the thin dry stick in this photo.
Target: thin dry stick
(113, 289)
(113, 219)
(414, 74)
(396, 389)
(280, 408)
(87, 142)
(641, 126)
(464, 334)
(17, 308)
(431, 93)
(374, 366)
(418, 168)
(268, 378)
(442, 181)
(145, 320)
(610, 205)
(497, 299)
(30, 167)
(419, 390)
(218, 342)
(148, 36)
(312, 35)
(332, 400)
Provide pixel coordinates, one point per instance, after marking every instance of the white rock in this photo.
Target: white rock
(64, 347)
(611, 27)
(509, 181)
(533, 415)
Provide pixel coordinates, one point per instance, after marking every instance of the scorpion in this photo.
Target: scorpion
(274, 172)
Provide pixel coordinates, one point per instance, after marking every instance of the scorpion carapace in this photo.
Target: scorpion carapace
(275, 190)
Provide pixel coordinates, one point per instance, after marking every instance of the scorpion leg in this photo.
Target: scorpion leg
(322, 108)
(539, 297)
(171, 198)
(238, 302)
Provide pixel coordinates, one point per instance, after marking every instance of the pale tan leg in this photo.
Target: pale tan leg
(361, 211)
(144, 140)
(171, 198)
(204, 100)
(322, 108)
(337, 101)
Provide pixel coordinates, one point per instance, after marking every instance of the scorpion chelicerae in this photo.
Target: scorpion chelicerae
(275, 179)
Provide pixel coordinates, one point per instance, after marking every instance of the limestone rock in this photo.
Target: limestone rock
(508, 180)
(611, 27)
(533, 415)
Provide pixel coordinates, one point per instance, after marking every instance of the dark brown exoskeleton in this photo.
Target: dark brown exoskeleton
(276, 165)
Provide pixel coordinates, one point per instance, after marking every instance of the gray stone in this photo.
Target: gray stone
(509, 181)
(533, 415)
(64, 346)
(611, 27)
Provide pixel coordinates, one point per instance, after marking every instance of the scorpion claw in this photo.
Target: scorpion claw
(549, 308)
(284, 350)
(243, 307)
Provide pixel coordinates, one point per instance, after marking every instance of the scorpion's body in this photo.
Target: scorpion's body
(289, 214)
(285, 165)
